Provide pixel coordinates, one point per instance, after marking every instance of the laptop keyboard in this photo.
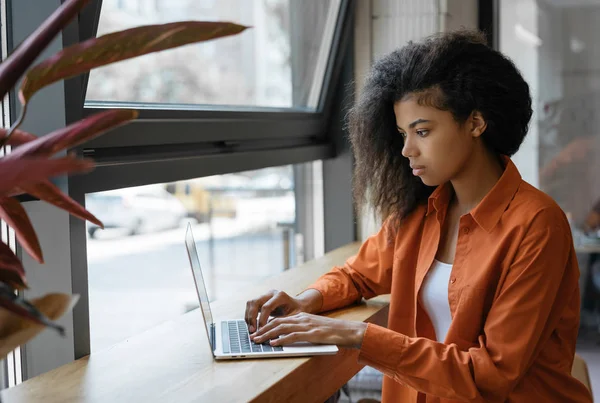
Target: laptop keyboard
(237, 340)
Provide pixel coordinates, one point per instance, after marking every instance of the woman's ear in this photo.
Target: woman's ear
(477, 123)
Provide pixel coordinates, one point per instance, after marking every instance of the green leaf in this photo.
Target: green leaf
(118, 46)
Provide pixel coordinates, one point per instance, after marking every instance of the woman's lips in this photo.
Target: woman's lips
(418, 170)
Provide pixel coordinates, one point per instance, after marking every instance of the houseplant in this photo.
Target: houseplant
(33, 160)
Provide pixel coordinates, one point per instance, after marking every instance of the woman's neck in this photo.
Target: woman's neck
(475, 181)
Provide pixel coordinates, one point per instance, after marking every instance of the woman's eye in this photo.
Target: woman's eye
(422, 133)
(402, 134)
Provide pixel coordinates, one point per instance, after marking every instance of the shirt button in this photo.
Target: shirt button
(465, 230)
(453, 280)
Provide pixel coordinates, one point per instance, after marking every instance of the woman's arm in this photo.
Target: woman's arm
(367, 274)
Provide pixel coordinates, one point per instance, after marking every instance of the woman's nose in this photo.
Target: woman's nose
(409, 150)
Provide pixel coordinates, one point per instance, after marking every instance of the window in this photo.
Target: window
(280, 62)
(171, 142)
(138, 270)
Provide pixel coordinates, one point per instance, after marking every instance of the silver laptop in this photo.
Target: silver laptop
(229, 339)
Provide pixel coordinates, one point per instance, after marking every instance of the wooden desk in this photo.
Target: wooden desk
(173, 362)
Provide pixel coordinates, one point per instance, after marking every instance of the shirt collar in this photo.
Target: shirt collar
(440, 198)
(488, 212)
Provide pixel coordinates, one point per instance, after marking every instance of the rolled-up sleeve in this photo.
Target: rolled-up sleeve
(367, 274)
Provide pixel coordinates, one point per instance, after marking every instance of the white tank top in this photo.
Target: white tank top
(434, 296)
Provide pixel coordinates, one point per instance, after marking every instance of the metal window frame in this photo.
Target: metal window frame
(221, 129)
(489, 14)
(213, 140)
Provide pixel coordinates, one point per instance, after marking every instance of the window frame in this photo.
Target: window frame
(216, 128)
(488, 15)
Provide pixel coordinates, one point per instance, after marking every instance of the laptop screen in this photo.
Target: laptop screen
(190, 245)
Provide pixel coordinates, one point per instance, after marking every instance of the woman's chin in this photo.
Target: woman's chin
(427, 181)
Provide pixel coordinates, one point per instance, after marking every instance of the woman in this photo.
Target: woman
(480, 265)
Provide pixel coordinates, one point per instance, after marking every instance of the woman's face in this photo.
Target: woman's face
(437, 146)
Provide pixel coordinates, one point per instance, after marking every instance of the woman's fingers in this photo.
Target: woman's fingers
(269, 327)
(277, 303)
(291, 338)
(279, 330)
(252, 308)
(279, 326)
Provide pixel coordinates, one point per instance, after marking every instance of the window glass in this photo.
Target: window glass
(139, 273)
(279, 62)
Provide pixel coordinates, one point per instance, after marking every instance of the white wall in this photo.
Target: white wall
(518, 33)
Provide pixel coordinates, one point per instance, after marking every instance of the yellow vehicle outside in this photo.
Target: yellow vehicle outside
(201, 203)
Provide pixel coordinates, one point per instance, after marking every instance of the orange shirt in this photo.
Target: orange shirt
(513, 295)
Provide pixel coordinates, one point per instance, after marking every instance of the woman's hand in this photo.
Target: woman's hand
(278, 303)
(311, 328)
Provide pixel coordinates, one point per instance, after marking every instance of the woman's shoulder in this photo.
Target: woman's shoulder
(536, 208)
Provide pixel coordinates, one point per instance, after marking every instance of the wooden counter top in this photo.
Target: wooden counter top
(173, 362)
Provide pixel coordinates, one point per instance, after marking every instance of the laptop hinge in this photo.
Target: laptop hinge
(213, 337)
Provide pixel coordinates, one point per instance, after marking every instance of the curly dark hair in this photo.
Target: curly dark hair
(456, 72)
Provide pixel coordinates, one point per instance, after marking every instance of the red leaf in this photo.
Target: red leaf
(18, 137)
(15, 216)
(50, 193)
(25, 171)
(70, 136)
(26, 53)
(11, 268)
(117, 46)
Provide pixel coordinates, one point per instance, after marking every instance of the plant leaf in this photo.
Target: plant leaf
(16, 217)
(16, 330)
(118, 46)
(25, 54)
(18, 137)
(46, 190)
(11, 268)
(67, 137)
(50, 193)
(31, 317)
(25, 171)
